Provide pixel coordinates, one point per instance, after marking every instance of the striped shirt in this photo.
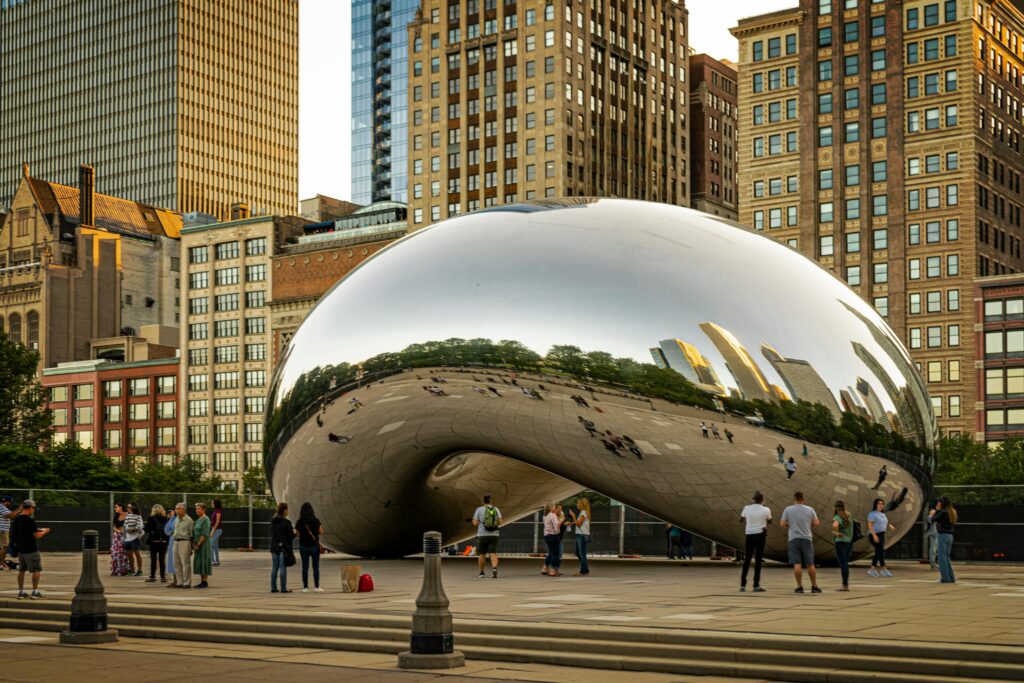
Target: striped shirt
(5, 524)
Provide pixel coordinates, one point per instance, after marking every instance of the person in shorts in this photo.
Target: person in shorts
(24, 535)
(7, 513)
(799, 519)
(487, 518)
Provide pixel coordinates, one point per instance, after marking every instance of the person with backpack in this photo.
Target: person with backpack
(945, 519)
(487, 519)
(156, 539)
(133, 530)
(842, 533)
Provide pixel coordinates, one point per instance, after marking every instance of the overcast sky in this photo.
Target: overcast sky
(324, 79)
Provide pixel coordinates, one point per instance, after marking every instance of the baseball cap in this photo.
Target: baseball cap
(7, 498)
(29, 503)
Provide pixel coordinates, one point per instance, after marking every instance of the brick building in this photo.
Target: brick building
(527, 100)
(713, 128)
(999, 311)
(119, 409)
(884, 140)
(304, 271)
(76, 265)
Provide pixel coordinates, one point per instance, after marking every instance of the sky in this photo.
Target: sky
(325, 83)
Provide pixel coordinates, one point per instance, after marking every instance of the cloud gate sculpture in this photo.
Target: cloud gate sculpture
(534, 350)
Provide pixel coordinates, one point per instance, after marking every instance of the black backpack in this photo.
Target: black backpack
(858, 533)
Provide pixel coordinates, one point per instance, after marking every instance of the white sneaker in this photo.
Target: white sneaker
(872, 572)
(886, 572)
(305, 590)
(318, 589)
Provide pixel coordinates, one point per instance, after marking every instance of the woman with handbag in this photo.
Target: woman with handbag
(157, 541)
(309, 529)
(582, 522)
(282, 533)
(842, 533)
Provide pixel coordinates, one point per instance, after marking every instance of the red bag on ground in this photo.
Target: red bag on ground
(365, 583)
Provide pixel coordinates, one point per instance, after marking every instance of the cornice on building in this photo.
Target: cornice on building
(765, 22)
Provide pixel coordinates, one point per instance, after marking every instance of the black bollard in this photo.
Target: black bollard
(432, 643)
(89, 607)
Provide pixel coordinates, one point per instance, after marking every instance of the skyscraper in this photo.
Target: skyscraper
(380, 77)
(688, 361)
(883, 139)
(802, 380)
(187, 104)
(751, 382)
(513, 101)
(713, 116)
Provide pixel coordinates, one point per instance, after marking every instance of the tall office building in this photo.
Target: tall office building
(512, 101)
(802, 380)
(380, 76)
(713, 119)
(188, 104)
(750, 380)
(688, 361)
(884, 140)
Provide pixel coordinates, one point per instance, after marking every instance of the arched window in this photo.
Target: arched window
(14, 329)
(33, 330)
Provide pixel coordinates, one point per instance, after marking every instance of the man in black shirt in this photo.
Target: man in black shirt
(24, 534)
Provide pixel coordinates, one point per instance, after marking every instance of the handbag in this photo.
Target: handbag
(289, 556)
(858, 533)
(320, 545)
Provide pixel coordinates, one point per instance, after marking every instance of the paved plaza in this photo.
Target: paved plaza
(624, 594)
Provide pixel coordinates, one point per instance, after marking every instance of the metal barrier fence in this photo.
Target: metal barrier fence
(990, 528)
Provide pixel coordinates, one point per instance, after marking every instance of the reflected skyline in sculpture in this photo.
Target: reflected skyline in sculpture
(467, 356)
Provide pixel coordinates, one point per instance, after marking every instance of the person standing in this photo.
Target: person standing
(882, 474)
(842, 532)
(183, 528)
(931, 540)
(674, 541)
(878, 525)
(945, 520)
(704, 429)
(282, 534)
(7, 513)
(782, 454)
(216, 529)
(799, 518)
(132, 538)
(686, 540)
(119, 565)
(790, 468)
(804, 451)
(156, 539)
(487, 519)
(756, 516)
(25, 534)
(310, 529)
(169, 532)
(552, 540)
(581, 519)
(202, 557)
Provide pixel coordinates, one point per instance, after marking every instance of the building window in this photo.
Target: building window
(226, 276)
(138, 438)
(225, 462)
(934, 337)
(226, 328)
(225, 380)
(881, 273)
(256, 246)
(253, 432)
(254, 404)
(165, 436)
(255, 378)
(255, 351)
(225, 433)
(198, 435)
(112, 438)
(852, 242)
(825, 247)
(166, 410)
(881, 304)
(226, 250)
(138, 411)
(255, 325)
(256, 273)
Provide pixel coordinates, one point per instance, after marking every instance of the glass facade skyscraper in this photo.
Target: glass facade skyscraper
(380, 76)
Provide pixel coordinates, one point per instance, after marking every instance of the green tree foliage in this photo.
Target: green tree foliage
(965, 462)
(184, 475)
(254, 481)
(24, 418)
(65, 466)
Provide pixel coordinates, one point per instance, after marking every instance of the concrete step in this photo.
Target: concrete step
(390, 634)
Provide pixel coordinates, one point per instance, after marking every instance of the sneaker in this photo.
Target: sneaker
(22, 595)
(482, 575)
(494, 573)
(872, 572)
(758, 589)
(138, 573)
(36, 595)
(202, 584)
(800, 589)
(318, 589)
(151, 580)
(305, 590)
(886, 573)
(815, 589)
(743, 589)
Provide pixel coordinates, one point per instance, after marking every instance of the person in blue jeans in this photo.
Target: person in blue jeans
(309, 529)
(282, 534)
(878, 525)
(582, 521)
(216, 525)
(553, 540)
(945, 519)
(842, 533)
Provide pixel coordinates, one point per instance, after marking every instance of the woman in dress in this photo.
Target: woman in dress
(201, 555)
(582, 521)
(842, 533)
(118, 557)
(282, 533)
(944, 519)
(878, 524)
(309, 529)
(156, 539)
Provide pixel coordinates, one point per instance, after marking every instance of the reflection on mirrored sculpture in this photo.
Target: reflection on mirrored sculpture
(534, 350)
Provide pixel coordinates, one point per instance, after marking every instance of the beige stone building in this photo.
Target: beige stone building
(188, 104)
(76, 265)
(225, 339)
(884, 140)
(530, 100)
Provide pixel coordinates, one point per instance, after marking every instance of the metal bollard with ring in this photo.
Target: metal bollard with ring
(432, 645)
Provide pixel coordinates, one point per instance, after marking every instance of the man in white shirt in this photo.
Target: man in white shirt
(756, 517)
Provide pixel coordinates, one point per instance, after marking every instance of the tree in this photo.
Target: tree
(254, 481)
(186, 474)
(24, 417)
(74, 467)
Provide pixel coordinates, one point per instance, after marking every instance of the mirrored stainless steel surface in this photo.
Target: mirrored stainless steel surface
(534, 350)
